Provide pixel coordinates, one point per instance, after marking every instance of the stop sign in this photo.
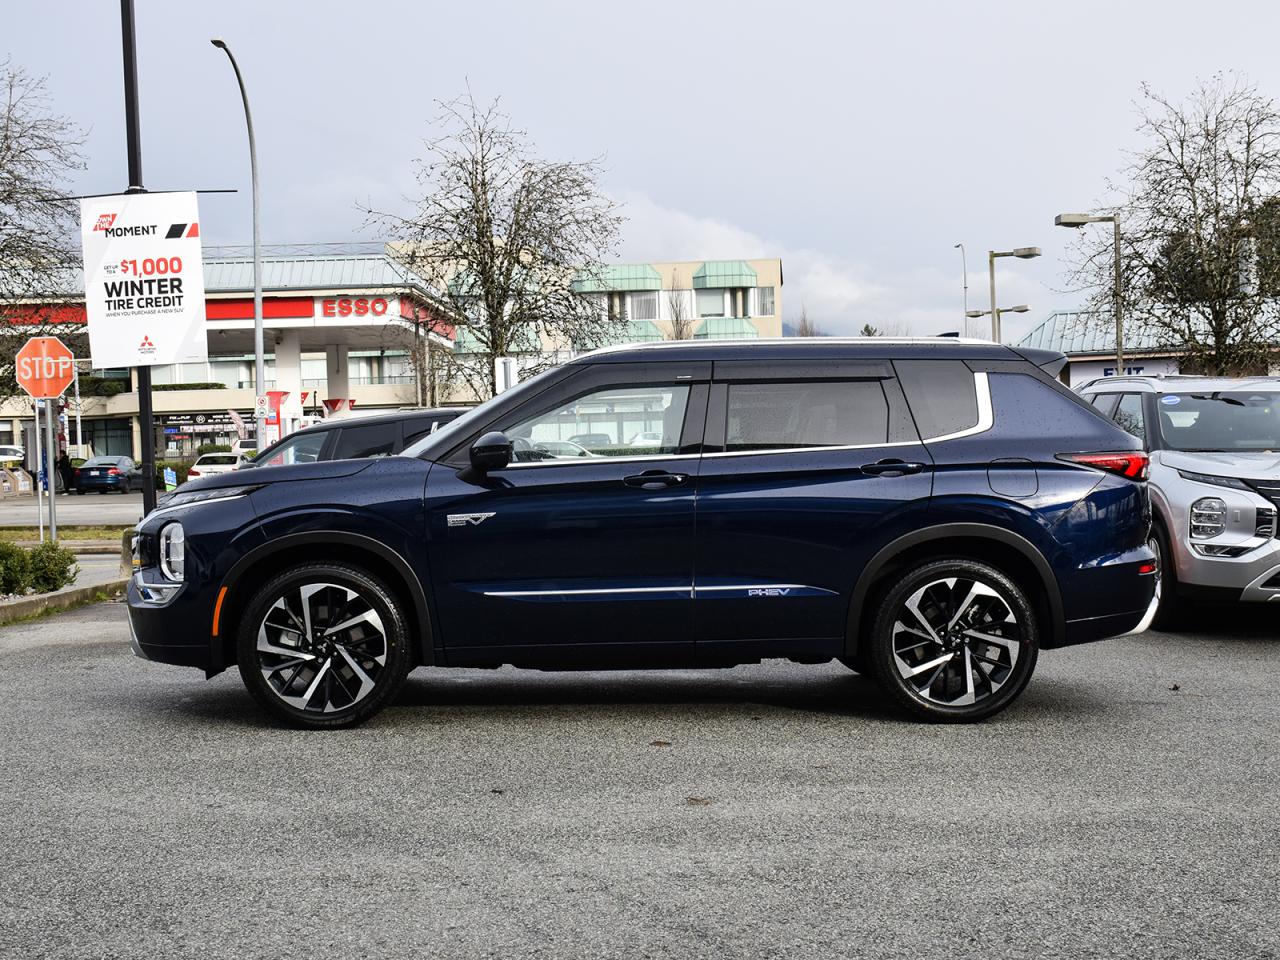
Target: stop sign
(44, 367)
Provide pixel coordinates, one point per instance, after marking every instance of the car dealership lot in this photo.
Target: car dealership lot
(1125, 806)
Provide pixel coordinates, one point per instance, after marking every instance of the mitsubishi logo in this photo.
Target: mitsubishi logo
(468, 519)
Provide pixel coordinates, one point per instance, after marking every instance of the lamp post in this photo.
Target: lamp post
(1000, 311)
(964, 268)
(259, 364)
(1022, 253)
(1078, 220)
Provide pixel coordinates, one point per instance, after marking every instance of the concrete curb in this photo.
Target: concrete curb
(58, 600)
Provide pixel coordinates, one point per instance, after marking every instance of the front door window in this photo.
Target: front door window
(643, 420)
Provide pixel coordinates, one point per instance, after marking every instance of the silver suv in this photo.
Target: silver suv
(1215, 480)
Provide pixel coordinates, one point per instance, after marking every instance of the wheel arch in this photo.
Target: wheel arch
(1016, 556)
(320, 545)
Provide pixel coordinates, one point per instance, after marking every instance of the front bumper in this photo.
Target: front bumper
(1248, 575)
(175, 631)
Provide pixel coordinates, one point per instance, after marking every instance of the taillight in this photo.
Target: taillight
(1131, 464)
(113, 472)
(193, 473)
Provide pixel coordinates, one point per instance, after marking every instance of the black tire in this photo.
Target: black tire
(335, 694)
(125, 488)
(998, 672)
(1173, 609)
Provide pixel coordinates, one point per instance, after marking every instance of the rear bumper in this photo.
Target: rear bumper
(1108, 599)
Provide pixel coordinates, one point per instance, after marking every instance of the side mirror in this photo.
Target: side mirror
(491, 452)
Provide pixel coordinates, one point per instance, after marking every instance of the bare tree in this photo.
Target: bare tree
(510, 240)
(1201, 228)
(39, 150)
(682, 324)
(804, 326)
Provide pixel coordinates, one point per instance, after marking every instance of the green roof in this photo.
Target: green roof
(726, 328)
(724, 273)
(526, 340)
(618, 276)
(1077, 332)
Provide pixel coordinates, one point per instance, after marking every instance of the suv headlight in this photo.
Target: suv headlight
(1233, 482)
(1208, 518)
(173, 552)
(180, 498)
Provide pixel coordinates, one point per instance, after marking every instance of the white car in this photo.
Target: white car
(215, 463)
(647, 439)
(11, 454)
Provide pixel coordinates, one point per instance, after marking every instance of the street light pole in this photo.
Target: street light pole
(259, 363)
(964, 268)
(133, 141)
(1078, 220)
(1022, 253)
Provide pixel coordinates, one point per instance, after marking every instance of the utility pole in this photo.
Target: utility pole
(133, 141)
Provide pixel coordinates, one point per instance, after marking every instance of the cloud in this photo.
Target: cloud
(839, 293)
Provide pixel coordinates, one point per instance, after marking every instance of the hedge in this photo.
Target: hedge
(43, 568)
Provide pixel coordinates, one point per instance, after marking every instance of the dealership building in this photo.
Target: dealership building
(1089, 341)
(340, 329)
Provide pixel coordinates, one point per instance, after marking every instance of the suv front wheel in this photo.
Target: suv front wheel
(323, 645)
(954, 640)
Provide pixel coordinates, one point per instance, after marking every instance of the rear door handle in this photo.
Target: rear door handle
(891, 468)
(655, 480)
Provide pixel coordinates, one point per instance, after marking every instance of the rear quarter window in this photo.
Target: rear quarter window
(941, 395)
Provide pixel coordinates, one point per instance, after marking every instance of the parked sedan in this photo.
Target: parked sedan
(211, 464)
(108, 473)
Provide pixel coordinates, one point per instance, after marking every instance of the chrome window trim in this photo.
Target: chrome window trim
(986, 420)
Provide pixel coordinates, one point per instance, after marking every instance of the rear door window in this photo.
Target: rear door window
(1128, 415)
(1106, 403)
(785, 415)
(304, 448)
(941, 394)
(370, 440)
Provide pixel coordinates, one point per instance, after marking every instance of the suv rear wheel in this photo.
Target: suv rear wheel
(954, 640)
(323, 645)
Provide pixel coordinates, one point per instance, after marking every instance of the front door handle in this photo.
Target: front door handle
(891, 468)
(655, 480)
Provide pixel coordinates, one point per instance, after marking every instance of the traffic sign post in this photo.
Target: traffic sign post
(44, 368)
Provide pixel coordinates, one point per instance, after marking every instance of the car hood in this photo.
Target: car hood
(324, 470)
(1252, 466)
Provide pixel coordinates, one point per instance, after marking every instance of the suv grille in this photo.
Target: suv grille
(1267, 518)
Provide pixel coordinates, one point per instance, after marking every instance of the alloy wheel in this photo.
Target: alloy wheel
(322, 647)
(956, 641)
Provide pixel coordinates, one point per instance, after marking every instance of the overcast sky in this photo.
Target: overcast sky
(857, 141)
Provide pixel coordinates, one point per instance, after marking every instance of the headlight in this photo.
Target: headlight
(1216, 481)
(1208, 518)
(173, 552)
(182, 498)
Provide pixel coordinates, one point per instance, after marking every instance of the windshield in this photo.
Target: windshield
(464, 424)
(1220, 421)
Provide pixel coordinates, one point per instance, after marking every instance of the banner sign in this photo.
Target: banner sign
(143, 279)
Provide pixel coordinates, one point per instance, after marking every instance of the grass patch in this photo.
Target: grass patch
(65, 533)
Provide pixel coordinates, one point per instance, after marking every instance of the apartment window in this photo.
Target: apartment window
(644, 306)
(710, 303)
(764, 302)
(771, 416)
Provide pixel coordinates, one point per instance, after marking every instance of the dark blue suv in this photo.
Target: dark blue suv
(932, 513)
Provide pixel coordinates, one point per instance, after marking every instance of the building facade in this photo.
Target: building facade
(341, 330)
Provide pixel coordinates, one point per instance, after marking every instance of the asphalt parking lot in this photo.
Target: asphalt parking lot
(1125, 807)
(100, 509)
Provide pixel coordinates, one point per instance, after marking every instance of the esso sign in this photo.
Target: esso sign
(354, 306)
(44, 367)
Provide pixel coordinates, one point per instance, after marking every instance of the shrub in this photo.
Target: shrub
(52, 567)
(212, 448)
(180, 467)
(188, 386)
(15, 568)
